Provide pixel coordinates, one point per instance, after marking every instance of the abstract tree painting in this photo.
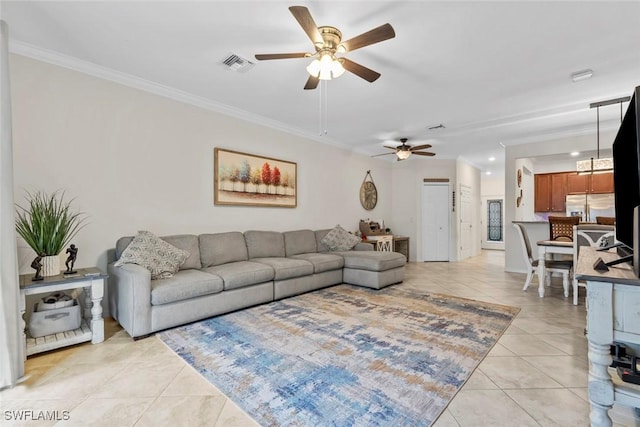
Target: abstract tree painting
(252, 180)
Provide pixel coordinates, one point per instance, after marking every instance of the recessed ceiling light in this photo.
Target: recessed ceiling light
(488, 172)
(581, 75)
(491, 159)
(574, 153)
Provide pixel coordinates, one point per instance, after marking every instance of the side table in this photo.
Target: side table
(92, 325)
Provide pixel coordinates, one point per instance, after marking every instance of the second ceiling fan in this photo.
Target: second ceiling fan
(404, 151)
(327, 42)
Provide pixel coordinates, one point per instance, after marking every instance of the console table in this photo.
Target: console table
(613, 314)
(92, 325)
(400, 245)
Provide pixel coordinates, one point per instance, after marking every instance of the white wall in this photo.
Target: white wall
(513, 255)
(137, 161)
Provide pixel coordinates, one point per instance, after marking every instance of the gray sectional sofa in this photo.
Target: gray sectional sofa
(229, 271)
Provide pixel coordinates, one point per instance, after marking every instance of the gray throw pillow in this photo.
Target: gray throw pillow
(159, 257)
(339, 239)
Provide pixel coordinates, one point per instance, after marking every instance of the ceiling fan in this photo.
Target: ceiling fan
(327, 42)
(403, 151)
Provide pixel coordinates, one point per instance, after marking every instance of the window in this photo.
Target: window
(494, 220)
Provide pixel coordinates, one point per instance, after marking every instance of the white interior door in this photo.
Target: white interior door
(435, 222)
(465, 222)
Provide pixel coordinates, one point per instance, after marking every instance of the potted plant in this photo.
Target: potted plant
(47, 225)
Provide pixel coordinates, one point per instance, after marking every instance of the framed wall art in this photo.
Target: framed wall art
(251, 180)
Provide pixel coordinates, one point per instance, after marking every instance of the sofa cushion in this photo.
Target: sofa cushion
(261, 244)
(299, 242)
(242, 273)
(339, 239)
(322, 262)
(372, 260)
(183, 285)
(287, 268)
(159, 257)
(222, 248)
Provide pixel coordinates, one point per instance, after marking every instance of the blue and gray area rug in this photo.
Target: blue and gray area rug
(344, 356)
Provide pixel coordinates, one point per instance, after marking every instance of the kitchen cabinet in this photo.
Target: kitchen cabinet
(577, 184)
(598, 183)
(551, 189)
(542, 192)
(550, 192)
(602, 183)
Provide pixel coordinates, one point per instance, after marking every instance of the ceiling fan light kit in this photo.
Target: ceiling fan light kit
(327, 41)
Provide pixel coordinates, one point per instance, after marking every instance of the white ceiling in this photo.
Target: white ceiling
(492, 72)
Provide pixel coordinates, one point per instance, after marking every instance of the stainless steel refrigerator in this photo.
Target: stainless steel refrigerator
(588, 206)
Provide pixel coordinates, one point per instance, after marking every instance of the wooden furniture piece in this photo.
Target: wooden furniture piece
(549, 266)
(591, 235)
(384, 243)
(91, 329)
(551, 189)
(606, 220)
(552, 247)
(401, 245)
(613, 298)
(561, 227)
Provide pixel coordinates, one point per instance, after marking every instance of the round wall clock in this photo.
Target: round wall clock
(368, 193)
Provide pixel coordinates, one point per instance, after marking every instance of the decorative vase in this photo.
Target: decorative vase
(50, 265)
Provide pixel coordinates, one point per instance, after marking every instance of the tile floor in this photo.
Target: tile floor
(536, 375)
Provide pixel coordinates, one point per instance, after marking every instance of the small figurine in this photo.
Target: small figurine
(37, 265)
(73, 252)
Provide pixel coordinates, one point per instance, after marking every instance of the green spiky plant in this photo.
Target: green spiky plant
(49, 223)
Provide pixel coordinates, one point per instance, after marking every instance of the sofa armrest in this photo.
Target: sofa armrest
(362, 246)
(130, 298)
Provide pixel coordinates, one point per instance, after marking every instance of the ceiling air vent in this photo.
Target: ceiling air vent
(238, 63)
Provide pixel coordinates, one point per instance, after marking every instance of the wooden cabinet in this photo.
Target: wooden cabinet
(551, 189)
(602, 183)
(558, 192)
(598, 183)
(542, 192)
(550, 192)
(577, 184)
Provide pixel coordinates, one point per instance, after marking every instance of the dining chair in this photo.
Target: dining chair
(551, 266)
(561, 227)
(606, 220)
(593, 235)
(384, 243)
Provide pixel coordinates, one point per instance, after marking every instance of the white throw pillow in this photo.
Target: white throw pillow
(339, 239)
(159, 257)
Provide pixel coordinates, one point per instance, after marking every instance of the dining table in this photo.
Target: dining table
(550, 247)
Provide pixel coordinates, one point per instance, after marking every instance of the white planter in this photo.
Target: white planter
(50, 265)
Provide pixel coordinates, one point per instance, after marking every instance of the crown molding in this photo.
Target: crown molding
(89, 68)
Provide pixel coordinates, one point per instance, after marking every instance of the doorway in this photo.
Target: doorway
(493, 222)
(435, 222)
(466, 222)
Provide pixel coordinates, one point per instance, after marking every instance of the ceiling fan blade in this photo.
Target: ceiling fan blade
(420, 147)
(385, 154)
(360, 70)
(312, 83)
(266, 56)
(303, 16)
(423, 153)
(377, 35)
